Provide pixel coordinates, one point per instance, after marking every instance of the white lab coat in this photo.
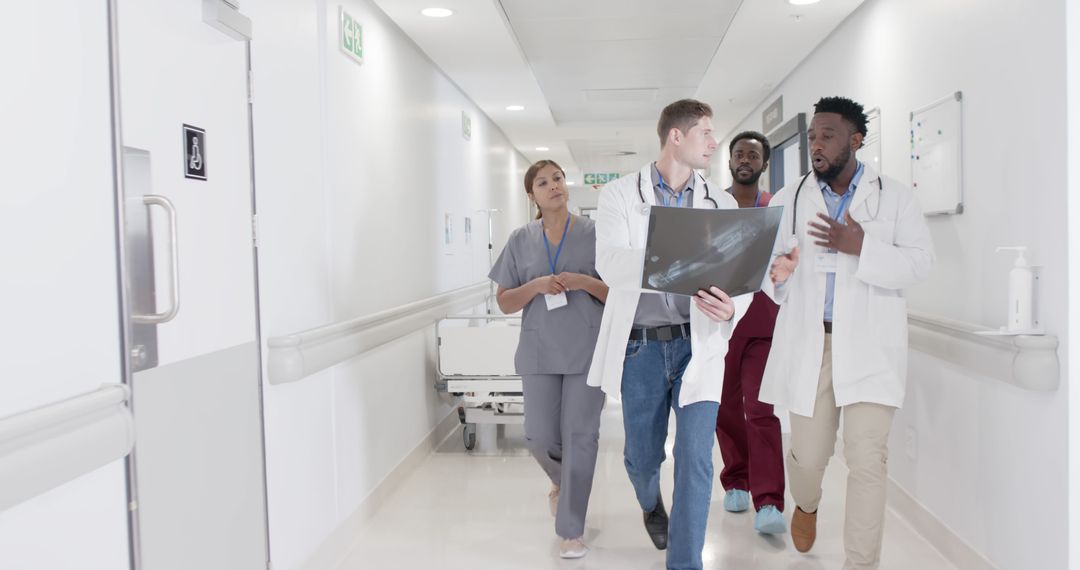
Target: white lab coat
(621, 229)
(869, 335)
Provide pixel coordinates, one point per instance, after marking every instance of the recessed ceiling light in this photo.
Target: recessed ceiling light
(802, 2)
(571, 182)
(438, 12)
(542, 148)
(515, 108)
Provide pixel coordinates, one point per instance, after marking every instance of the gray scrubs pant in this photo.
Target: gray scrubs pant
(562, 428)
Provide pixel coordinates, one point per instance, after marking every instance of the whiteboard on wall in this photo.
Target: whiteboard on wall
(936, 156)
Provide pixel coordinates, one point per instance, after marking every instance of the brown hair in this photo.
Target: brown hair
(682, 115)
(530, 176)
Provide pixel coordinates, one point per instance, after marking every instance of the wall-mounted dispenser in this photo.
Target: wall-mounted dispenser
(1021, 312)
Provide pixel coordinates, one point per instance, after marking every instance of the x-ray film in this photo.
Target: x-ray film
(690, 249)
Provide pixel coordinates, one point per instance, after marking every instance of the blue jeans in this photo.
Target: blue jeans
(652, 378)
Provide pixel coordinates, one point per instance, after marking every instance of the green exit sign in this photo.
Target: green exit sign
(600, 177)
(352, 36)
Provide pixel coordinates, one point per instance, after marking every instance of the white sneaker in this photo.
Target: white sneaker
(553, 499)
(573, 548)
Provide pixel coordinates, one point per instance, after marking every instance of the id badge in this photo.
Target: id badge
(825, 262)
(555, 301)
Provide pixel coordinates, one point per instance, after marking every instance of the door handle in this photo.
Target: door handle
(174, 265)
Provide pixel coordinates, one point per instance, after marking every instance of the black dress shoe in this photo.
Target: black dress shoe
(656, 524)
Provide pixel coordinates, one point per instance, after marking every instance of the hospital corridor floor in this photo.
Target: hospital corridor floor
(463, 510)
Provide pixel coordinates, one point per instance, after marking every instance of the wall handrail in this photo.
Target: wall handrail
(296, 356)
(1027, 361)
(47, 446)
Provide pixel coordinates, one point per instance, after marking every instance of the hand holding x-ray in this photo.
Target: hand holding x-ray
(783, 266)
(716, 304)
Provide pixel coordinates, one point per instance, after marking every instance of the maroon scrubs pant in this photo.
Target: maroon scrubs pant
(747, 430)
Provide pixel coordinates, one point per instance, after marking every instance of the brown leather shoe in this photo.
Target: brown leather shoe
(803, 529)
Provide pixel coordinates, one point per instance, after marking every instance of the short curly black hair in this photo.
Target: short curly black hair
(756, 136)
(851, 111)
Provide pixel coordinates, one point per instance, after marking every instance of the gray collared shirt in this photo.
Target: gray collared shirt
(660, 309)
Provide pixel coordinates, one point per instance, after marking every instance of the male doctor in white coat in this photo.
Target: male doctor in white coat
(840, 343)
(658, 351)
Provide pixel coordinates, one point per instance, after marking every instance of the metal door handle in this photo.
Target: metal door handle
(174, 265)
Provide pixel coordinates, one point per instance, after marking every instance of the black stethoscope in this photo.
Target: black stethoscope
(645, 205)
(795, 202)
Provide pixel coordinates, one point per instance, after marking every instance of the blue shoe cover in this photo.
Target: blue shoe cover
(736, 501)
(769, 520)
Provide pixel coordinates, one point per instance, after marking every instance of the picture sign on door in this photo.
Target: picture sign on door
(194, 153)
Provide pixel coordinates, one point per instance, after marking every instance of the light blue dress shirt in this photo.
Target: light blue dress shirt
(836, 206)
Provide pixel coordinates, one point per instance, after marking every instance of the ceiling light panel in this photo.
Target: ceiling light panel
(437, 12)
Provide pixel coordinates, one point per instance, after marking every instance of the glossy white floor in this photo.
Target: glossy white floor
(468, 511)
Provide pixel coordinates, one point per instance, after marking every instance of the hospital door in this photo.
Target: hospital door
(191, 276)
(59, 292)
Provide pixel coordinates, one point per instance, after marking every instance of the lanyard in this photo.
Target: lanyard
(678, 200)
(667, 195)
(846, 198)
(547, 245)
(843, 204)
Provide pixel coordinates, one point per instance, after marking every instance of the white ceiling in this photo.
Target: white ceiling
(593, 75)
(612, 60)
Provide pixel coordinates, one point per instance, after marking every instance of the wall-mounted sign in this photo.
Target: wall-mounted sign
(600, 177)
(194, 152)
(773, 115)
(351, 38)
(466, 126)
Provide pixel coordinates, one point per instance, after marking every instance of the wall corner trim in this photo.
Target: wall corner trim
(337, 546)
(941, 537)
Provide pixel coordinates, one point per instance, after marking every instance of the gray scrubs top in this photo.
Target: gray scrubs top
(559, 341)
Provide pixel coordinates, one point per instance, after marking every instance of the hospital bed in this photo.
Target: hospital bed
(475, 360)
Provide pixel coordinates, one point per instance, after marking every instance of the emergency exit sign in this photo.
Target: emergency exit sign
(352, 37)
(600, 177)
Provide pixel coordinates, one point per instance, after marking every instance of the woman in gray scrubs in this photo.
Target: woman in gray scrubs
(548, 269)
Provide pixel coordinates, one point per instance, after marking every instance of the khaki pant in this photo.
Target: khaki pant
(866, 435)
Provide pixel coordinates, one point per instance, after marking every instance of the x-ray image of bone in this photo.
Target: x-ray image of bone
(724, 249)
(690, 249)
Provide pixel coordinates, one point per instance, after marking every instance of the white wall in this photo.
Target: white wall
(991, 458)
(1072, 26)
(356, 167)
(58, 285)
(582, 197)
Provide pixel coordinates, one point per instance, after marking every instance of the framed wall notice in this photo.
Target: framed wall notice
(937, 156)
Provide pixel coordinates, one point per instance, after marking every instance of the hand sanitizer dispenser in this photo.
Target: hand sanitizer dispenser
(1021, 291)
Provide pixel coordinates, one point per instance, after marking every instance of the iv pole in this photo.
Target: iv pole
(491, 255)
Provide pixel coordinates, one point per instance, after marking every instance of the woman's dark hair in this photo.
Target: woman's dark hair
(530, 176)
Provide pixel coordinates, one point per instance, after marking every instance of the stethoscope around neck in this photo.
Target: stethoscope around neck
(644, 208)
(795, 203)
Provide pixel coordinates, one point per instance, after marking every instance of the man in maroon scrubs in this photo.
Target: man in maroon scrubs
(747, 430)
